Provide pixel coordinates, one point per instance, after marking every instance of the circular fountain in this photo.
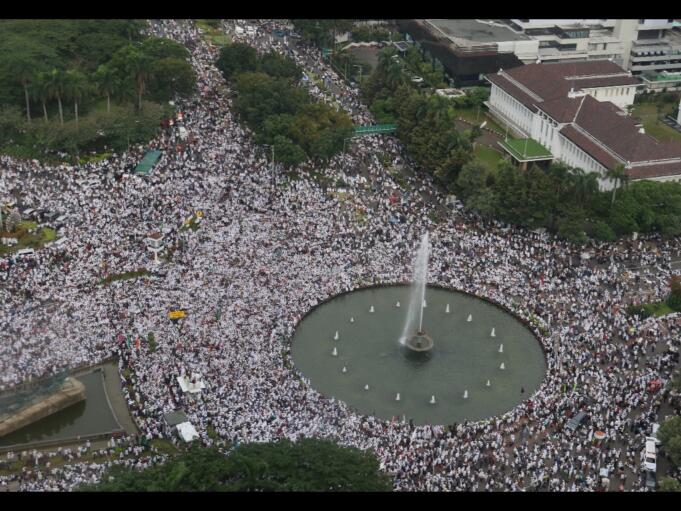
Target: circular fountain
(421, 351)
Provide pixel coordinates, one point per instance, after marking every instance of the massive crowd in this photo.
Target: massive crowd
(270, 246)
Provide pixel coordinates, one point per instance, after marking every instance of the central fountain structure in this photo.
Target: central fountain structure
(373, 348)
(414, 338)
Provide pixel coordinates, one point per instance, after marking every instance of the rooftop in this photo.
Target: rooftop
(526, 149)
(476, 31)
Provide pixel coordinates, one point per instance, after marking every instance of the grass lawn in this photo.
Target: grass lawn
(659, 309)
(142, 272)
(213, 35)
(648, 114)
(164, 446)
(471, 115)
(488, 156)
(34, 240)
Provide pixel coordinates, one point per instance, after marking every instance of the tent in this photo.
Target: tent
(144, 167)
(187, 432)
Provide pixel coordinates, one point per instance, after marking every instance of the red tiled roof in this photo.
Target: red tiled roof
(514, 91)
(561, 109)
(620, 134)
(552, 81)
(650, 171)
(589, 147)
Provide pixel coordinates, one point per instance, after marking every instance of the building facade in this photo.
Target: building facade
(578, 112)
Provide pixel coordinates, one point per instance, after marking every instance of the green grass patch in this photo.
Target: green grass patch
(488, 156)
(129, 275)
(35, 240)
(212, 32)
(646, 310)
(164, 446)
(525, 149)
(472, 115)
(650, 116)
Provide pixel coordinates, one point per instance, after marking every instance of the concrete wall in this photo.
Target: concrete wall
(71, 392)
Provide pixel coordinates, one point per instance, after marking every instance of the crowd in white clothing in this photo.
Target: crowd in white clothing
(273, 244)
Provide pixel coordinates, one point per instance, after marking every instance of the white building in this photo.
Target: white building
(577, 112)
(638, 45)
(649, 44)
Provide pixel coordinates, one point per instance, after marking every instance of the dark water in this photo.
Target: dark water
(464, 357)
(85, 418)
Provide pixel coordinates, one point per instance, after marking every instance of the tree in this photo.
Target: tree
(106, 82)
(669, 484)
(41, 91)
(274, 64)
(307, 465)
(76, 86)
(56, 85)
(674, 298)
(618, 176)
(22, 70)
(288, 152)
(132, 63)
(669, 435)
(171, 76)
(237, 58)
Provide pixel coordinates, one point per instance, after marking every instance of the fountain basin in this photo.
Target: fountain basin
(460, 358)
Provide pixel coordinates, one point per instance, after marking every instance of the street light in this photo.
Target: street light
(360, 72)
(344, 141)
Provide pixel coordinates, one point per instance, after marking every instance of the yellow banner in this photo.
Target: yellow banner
(176, 314)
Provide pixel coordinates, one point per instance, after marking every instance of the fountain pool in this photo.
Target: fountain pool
(463, 358)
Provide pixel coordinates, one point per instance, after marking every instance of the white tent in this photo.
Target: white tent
(188, 387)
(187, 432)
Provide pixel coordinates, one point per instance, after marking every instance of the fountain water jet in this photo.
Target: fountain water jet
(371, 309)
(335, 337)
(366, 387)
(413, 335)
(501, 348)
(488, 384)
(397, 304)
(334, 352)
(432, 400)
(470, 318)
(345, 369)
(397, 397)
(493, 334)
(352, 320)
(502, 366)
(447, 309)
(465, 394)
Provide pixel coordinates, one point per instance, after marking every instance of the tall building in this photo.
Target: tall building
(576, 113)
(649, 45)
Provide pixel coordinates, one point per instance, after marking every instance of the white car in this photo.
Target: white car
(649, 455)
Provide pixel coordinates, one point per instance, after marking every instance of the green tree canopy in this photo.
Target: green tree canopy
(237, 58)
(307, 465)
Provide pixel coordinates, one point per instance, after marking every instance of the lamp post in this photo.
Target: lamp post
(344, 141)
(360, 72)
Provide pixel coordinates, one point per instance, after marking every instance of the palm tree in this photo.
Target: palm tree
(56, 84)
(22, 71)
(618, 175)
(106, 83)
(137, 65)
(41, 92)
(76, 86)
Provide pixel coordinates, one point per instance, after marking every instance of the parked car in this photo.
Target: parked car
(651, 480)
(649, 455)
